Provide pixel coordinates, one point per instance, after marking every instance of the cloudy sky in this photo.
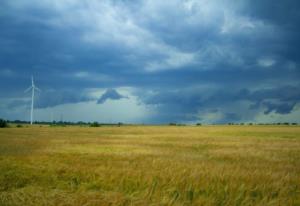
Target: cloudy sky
(151, 61)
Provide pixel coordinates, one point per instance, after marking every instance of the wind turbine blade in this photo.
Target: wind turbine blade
(37, 89)
(28, 89)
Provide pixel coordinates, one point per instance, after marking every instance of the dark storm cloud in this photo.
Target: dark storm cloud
(286, 93)
(282, 108)
(190, 104)
(110, 94)
(46, 99)
(240, 51)
(283, 13)
(17, 103)
(54, 98)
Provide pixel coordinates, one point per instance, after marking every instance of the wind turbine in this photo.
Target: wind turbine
(32, 88)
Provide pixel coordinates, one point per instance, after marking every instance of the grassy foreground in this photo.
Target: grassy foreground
(150, 165)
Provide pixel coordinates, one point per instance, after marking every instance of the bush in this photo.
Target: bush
(3, 123)
(95, 124)
(198, 124)
(19, 125)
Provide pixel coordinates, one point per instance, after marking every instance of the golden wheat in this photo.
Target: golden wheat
(150, 165)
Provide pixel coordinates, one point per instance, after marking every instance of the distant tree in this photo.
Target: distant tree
(3, 123)
(95, 124)
(19, 125)
(294, 123)
(172, 124)
(180, 124)
(198, 124)
(286, 123)
(80, 123)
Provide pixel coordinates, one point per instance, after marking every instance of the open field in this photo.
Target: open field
(150, 165)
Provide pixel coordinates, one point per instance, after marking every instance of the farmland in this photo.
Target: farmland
(150, 165)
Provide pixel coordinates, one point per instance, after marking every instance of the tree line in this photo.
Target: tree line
(20, 123)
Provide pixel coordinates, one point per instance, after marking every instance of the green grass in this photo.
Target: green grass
(150, 165)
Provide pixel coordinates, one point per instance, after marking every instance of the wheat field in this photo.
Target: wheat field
(150, 165)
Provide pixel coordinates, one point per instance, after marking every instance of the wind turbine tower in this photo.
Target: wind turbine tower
(32, 88)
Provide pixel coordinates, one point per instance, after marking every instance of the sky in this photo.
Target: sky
(151, 61)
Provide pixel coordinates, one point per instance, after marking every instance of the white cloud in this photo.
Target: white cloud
(266, 62)
(173, 61)
(81, 74)
(91, 76)
(234, 23)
